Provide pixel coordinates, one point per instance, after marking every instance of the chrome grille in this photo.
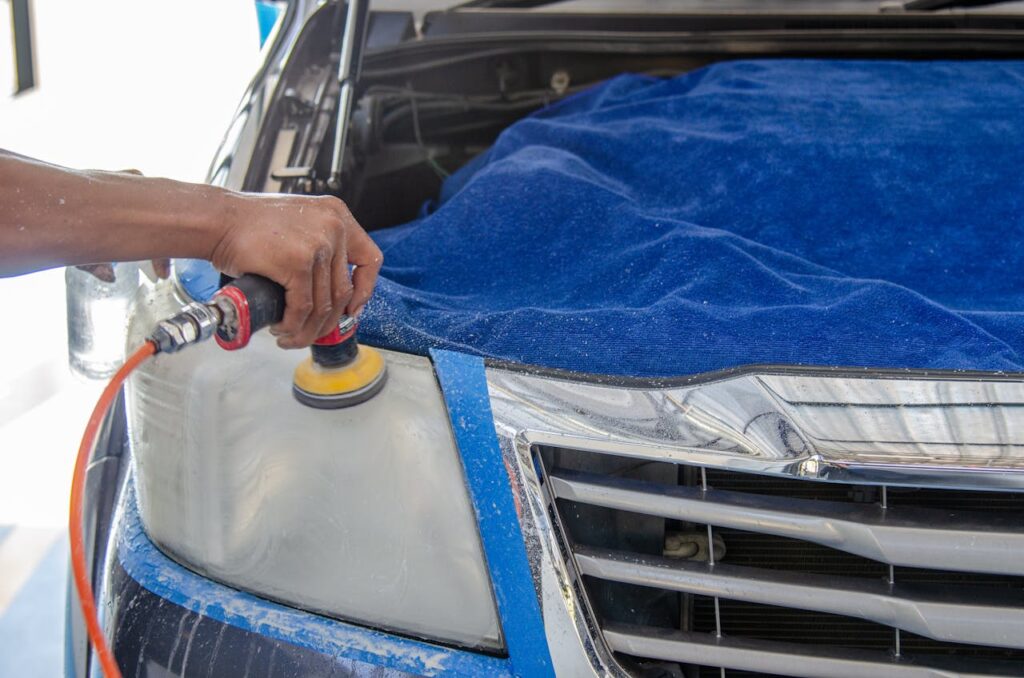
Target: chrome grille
(816, 579)
(830, 496)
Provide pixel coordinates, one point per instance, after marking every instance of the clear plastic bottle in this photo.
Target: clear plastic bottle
(98, 318)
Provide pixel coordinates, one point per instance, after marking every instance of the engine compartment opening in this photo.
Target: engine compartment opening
(427, 106)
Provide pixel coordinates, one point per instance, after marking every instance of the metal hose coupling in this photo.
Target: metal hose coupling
(192, 324)
(244, 306)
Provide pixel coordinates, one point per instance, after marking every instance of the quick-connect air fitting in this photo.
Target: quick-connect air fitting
(192, 324)
(237, 310)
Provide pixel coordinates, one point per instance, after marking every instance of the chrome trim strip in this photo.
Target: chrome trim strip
(575, 644)
(920, 431)
(925, 430)
(911, 538)
(921, 610)
(783, 658)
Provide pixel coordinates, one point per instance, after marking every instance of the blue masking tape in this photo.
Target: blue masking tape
(464, 385)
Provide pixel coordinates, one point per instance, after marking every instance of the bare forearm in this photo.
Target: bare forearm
(52, 216)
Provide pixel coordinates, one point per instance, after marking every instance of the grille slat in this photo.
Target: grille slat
(787, 659)
(813, 579)
(987, 543)
(926, 611)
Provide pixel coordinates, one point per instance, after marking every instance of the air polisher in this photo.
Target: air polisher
(338, 373)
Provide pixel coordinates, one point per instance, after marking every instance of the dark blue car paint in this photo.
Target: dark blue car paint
(155, 637)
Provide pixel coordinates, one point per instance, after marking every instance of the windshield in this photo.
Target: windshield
(705, 6)
(701, 6)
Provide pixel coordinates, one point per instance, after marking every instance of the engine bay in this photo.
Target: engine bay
(432, 96)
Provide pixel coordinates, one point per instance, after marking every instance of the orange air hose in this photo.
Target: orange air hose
(75, 528)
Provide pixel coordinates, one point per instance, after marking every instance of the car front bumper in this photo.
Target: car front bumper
(165, 620)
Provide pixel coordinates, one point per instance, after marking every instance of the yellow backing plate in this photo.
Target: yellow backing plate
(358, 374)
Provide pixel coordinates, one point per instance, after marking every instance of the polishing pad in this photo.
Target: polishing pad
(330, 388)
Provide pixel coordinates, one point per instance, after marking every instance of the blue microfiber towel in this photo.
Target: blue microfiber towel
(808, 212)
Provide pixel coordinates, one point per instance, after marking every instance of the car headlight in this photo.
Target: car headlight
(360, 514)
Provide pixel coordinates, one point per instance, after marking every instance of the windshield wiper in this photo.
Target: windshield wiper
(505, 4)
(885, 6)
(932, 5)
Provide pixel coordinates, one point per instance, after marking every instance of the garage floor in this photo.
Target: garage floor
(119, 88)
(33, 563)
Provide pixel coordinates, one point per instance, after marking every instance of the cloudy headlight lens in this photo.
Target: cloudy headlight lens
(360, 514)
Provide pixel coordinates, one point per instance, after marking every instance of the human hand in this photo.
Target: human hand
(305, 244)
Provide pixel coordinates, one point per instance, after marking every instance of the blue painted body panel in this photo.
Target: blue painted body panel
(267, 14)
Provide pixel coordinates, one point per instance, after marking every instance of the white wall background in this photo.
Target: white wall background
(121, 84)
